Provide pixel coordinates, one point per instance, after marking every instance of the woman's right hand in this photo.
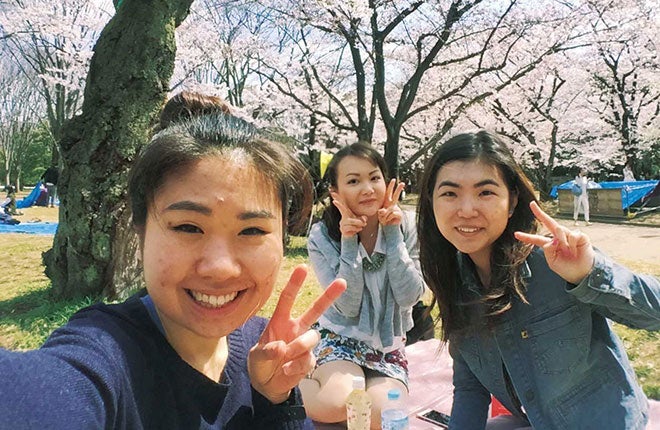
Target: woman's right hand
(350, 224)
(390, 213)
(284, 353)
(568, 252)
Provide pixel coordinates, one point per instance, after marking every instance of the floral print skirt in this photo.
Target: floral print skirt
(335, 347)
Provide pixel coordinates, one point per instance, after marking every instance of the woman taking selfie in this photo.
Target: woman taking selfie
(211, 203)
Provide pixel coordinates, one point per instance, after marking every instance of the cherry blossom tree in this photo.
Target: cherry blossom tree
(225, 61)
(19, 118)
(536, 114)
(626, 72)
(553, 115)
(369, 67)
(51, 43)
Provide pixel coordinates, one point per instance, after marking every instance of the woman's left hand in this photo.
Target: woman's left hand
(569, 252)
(390, 213)
(283, 355)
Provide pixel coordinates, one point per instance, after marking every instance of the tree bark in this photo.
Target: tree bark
(94, 249)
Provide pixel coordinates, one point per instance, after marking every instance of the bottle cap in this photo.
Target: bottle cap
(393, 394)
(358, 383)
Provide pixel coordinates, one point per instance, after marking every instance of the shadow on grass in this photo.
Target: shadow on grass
(34, 315)
(296, 250)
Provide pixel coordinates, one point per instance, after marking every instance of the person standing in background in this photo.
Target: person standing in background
(50, 178)
(628, 172)
(581, 201)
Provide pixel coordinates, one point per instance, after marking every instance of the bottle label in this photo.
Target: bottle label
(358, 417)
(398, 422)
(358, 410)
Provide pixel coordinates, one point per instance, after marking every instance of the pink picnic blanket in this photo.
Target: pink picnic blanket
(430, 370)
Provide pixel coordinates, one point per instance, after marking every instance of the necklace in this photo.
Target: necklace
(374, 262)
(370, 235)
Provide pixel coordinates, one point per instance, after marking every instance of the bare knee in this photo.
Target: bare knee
(324, 395)
(378, 388)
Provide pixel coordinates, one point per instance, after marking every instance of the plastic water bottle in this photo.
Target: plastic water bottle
(394, 415)
(358, 406)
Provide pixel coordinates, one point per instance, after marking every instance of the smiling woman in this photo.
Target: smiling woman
(525, 316)
(211, 202)
(368, 240)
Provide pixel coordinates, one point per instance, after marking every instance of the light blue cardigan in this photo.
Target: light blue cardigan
(403, 283)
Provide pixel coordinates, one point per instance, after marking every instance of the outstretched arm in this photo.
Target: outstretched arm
(618, 293)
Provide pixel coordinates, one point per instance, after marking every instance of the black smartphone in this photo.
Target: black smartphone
(435, 417)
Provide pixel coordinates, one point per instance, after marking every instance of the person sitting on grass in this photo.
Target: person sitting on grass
(526, 316)
(368, 240)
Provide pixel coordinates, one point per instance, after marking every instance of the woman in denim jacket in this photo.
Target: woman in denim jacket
(526, 316)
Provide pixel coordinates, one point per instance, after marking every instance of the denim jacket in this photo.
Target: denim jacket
(567, 369)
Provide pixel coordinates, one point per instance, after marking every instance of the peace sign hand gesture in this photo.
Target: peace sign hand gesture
(283, 355)
(350, 224)
(390, 213)
(569, 253)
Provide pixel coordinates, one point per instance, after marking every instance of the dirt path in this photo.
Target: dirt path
(624, 243)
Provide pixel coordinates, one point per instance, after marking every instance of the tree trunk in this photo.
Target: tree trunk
(554, 143)
(94, 249)
(392, 150)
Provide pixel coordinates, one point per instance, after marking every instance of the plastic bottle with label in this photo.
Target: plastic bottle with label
(358, 406)
(394, 415)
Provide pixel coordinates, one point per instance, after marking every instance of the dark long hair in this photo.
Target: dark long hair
(438, 257)
(183, 143)
(331, 215)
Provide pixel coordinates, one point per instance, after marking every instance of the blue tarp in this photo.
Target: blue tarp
(631, 191)
(44, 228)
(30, 199)
(554, 193)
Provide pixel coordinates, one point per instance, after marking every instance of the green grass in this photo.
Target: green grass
(28, 314)
(643, 348)
(27, 320)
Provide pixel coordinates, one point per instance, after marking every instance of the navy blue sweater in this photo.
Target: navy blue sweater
(110, 367)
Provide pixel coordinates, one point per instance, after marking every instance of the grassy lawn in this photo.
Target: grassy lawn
(28, 314)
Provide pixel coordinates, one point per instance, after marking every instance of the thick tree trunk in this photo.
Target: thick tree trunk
(94, 249)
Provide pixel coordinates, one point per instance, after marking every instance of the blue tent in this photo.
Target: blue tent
(30, 199)
(631, 191)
